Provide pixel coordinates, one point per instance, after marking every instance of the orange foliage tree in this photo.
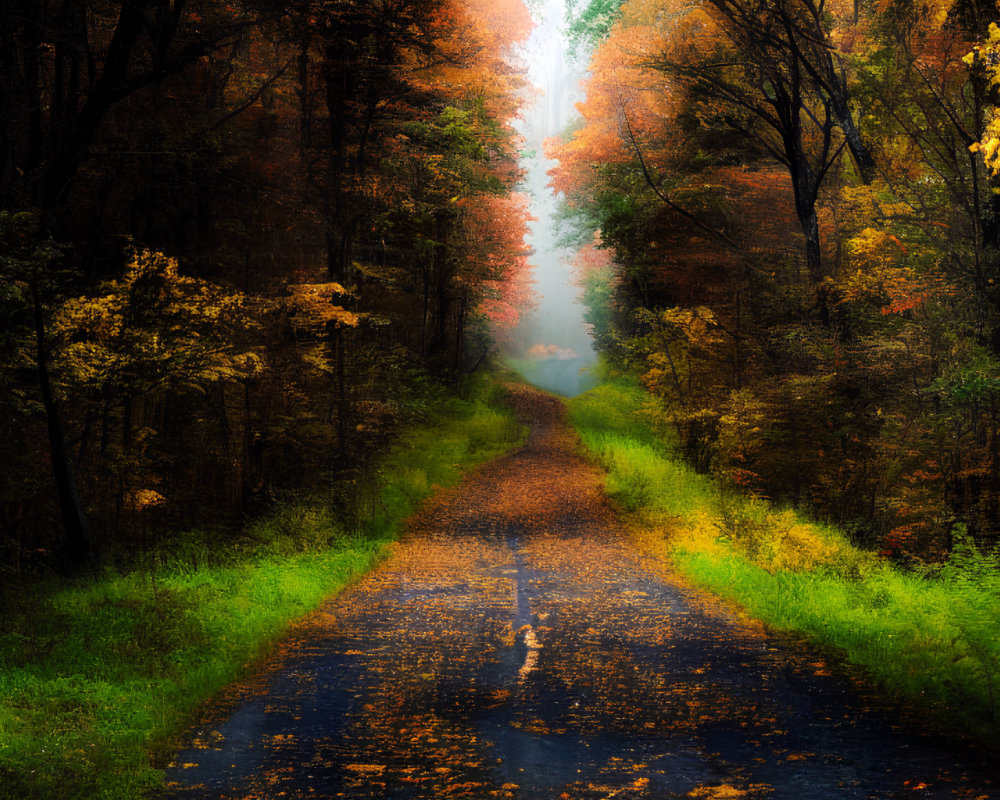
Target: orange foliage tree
(813, 177)
(342, 171)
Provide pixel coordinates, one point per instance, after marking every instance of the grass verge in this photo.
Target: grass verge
(99, 676)
(930, 636)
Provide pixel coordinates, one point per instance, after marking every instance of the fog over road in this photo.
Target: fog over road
(517, 644)
(556, 324)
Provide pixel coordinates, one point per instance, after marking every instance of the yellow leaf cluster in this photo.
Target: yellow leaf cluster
(873, 248)
(150, 326)
(698, 324)
(144, 498)
(312, 305)
(986, 57)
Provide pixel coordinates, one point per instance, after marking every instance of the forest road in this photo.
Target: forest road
(517, 644)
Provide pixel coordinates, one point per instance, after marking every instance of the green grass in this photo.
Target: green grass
(99, 676)
(931, 637)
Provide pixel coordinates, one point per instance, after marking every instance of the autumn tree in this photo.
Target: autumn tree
(713, 130)
(270, 218)
(64, 69)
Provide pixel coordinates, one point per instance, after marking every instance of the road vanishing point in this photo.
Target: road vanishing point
(518, 643)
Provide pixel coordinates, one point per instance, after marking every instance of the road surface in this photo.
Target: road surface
(517, 644)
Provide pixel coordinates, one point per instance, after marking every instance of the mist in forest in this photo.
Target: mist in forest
(553, 345)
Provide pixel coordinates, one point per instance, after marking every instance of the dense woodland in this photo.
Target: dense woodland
(250, 252)
(797, 209)
(240, 243)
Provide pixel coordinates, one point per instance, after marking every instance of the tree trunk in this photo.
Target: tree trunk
(103, 95)
(862, 157)
(814, 253)
(994, 498)
(804, 187)
(442, 291)
(79, 547)
(343, 408)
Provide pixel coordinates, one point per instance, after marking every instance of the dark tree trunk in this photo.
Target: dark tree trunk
(343, 405)
(104, 94)
(805, 185)
(862, 157)
(442, 292)
(79, 547)
(994, 497)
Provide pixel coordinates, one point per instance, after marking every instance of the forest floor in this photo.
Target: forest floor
(518, 644)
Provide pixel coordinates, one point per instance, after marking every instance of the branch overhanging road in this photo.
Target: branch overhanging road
(517, 644)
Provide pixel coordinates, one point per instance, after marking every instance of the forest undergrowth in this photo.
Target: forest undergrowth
(926, 633)
(100, 675)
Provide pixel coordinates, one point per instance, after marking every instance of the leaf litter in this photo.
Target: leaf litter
(518, 643)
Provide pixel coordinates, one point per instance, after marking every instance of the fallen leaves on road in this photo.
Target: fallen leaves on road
(518, 644)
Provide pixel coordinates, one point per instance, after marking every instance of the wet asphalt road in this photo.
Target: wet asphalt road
(517, 644)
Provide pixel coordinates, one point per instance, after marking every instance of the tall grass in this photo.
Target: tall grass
(100, 675)
(930, 636)
(97, 676)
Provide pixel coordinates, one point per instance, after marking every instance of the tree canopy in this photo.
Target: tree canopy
(236, 238)
(799, 203)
